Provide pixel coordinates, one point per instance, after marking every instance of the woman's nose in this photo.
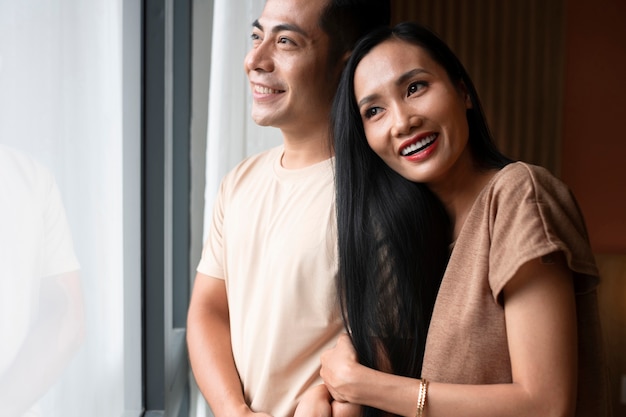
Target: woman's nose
(405, 120)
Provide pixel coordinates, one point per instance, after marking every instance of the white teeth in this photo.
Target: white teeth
(265, 90)
(418, 145)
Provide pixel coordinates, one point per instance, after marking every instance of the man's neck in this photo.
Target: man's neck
(302, 152)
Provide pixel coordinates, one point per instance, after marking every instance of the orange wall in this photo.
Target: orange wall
(594, 133)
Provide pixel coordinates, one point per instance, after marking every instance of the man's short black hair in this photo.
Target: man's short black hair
(346, 21)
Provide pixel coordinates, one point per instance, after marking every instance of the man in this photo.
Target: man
(264, 307)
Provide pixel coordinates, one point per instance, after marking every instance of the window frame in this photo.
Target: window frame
(165, 222)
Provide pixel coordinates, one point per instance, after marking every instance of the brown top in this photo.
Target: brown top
(522, 214)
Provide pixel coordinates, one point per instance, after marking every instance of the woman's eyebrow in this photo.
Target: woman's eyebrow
(408, 75)
(401, 80)
(367, 99)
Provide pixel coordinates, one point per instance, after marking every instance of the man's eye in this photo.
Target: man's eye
(285, 41)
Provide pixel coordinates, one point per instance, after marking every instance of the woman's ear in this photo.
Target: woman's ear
(466, 96)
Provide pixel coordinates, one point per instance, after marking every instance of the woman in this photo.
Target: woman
(514, 331)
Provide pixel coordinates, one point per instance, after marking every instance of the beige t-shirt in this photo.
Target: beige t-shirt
(524, 213)
(273, 240)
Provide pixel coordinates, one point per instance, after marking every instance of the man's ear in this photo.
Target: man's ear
(341, 64)
(343, 61)
(345, 57)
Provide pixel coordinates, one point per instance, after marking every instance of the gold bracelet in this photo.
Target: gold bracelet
(421, 399)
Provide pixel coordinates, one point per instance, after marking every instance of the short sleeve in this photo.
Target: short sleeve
(212, 260)
(532, 214)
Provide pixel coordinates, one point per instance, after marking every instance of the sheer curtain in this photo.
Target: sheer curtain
(231, 133)
(70, 97)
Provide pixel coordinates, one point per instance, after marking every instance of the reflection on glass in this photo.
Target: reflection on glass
(41, 307)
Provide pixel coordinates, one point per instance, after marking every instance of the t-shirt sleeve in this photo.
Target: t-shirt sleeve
(212, 259)
(532, 214)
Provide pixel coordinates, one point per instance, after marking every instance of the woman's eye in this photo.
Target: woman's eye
(372, 111)
(415, 87)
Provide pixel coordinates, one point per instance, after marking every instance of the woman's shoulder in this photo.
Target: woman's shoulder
(520, 172)
(529, 207)
(526, 180)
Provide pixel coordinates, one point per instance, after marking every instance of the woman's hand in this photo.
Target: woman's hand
(338, 367)
(353, 385)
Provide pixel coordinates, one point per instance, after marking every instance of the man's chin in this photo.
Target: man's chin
(263, 119)
(262, 122)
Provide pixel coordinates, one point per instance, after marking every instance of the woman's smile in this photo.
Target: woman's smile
(418, 145)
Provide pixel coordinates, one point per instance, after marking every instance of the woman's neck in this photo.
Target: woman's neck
(460, 189)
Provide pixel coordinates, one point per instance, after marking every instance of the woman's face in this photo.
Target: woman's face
(414, 116)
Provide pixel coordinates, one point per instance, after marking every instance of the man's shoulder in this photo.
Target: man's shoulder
(253, 168)
(261, 160)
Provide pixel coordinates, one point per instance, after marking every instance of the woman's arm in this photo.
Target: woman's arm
(540, 314)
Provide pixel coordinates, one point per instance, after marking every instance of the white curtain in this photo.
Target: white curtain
(231, 133)
(64, 99)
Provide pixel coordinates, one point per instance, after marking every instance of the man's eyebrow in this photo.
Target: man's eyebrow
(282, 27)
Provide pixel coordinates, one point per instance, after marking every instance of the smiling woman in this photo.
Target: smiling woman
(520, 268)
(403, 89)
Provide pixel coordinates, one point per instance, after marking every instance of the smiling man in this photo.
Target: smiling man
(264, 306)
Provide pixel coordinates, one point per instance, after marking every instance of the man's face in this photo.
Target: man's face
(287, 66)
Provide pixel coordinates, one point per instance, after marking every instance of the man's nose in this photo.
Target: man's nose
(259, 58)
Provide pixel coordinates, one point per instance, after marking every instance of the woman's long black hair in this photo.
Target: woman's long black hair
(394, 234)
